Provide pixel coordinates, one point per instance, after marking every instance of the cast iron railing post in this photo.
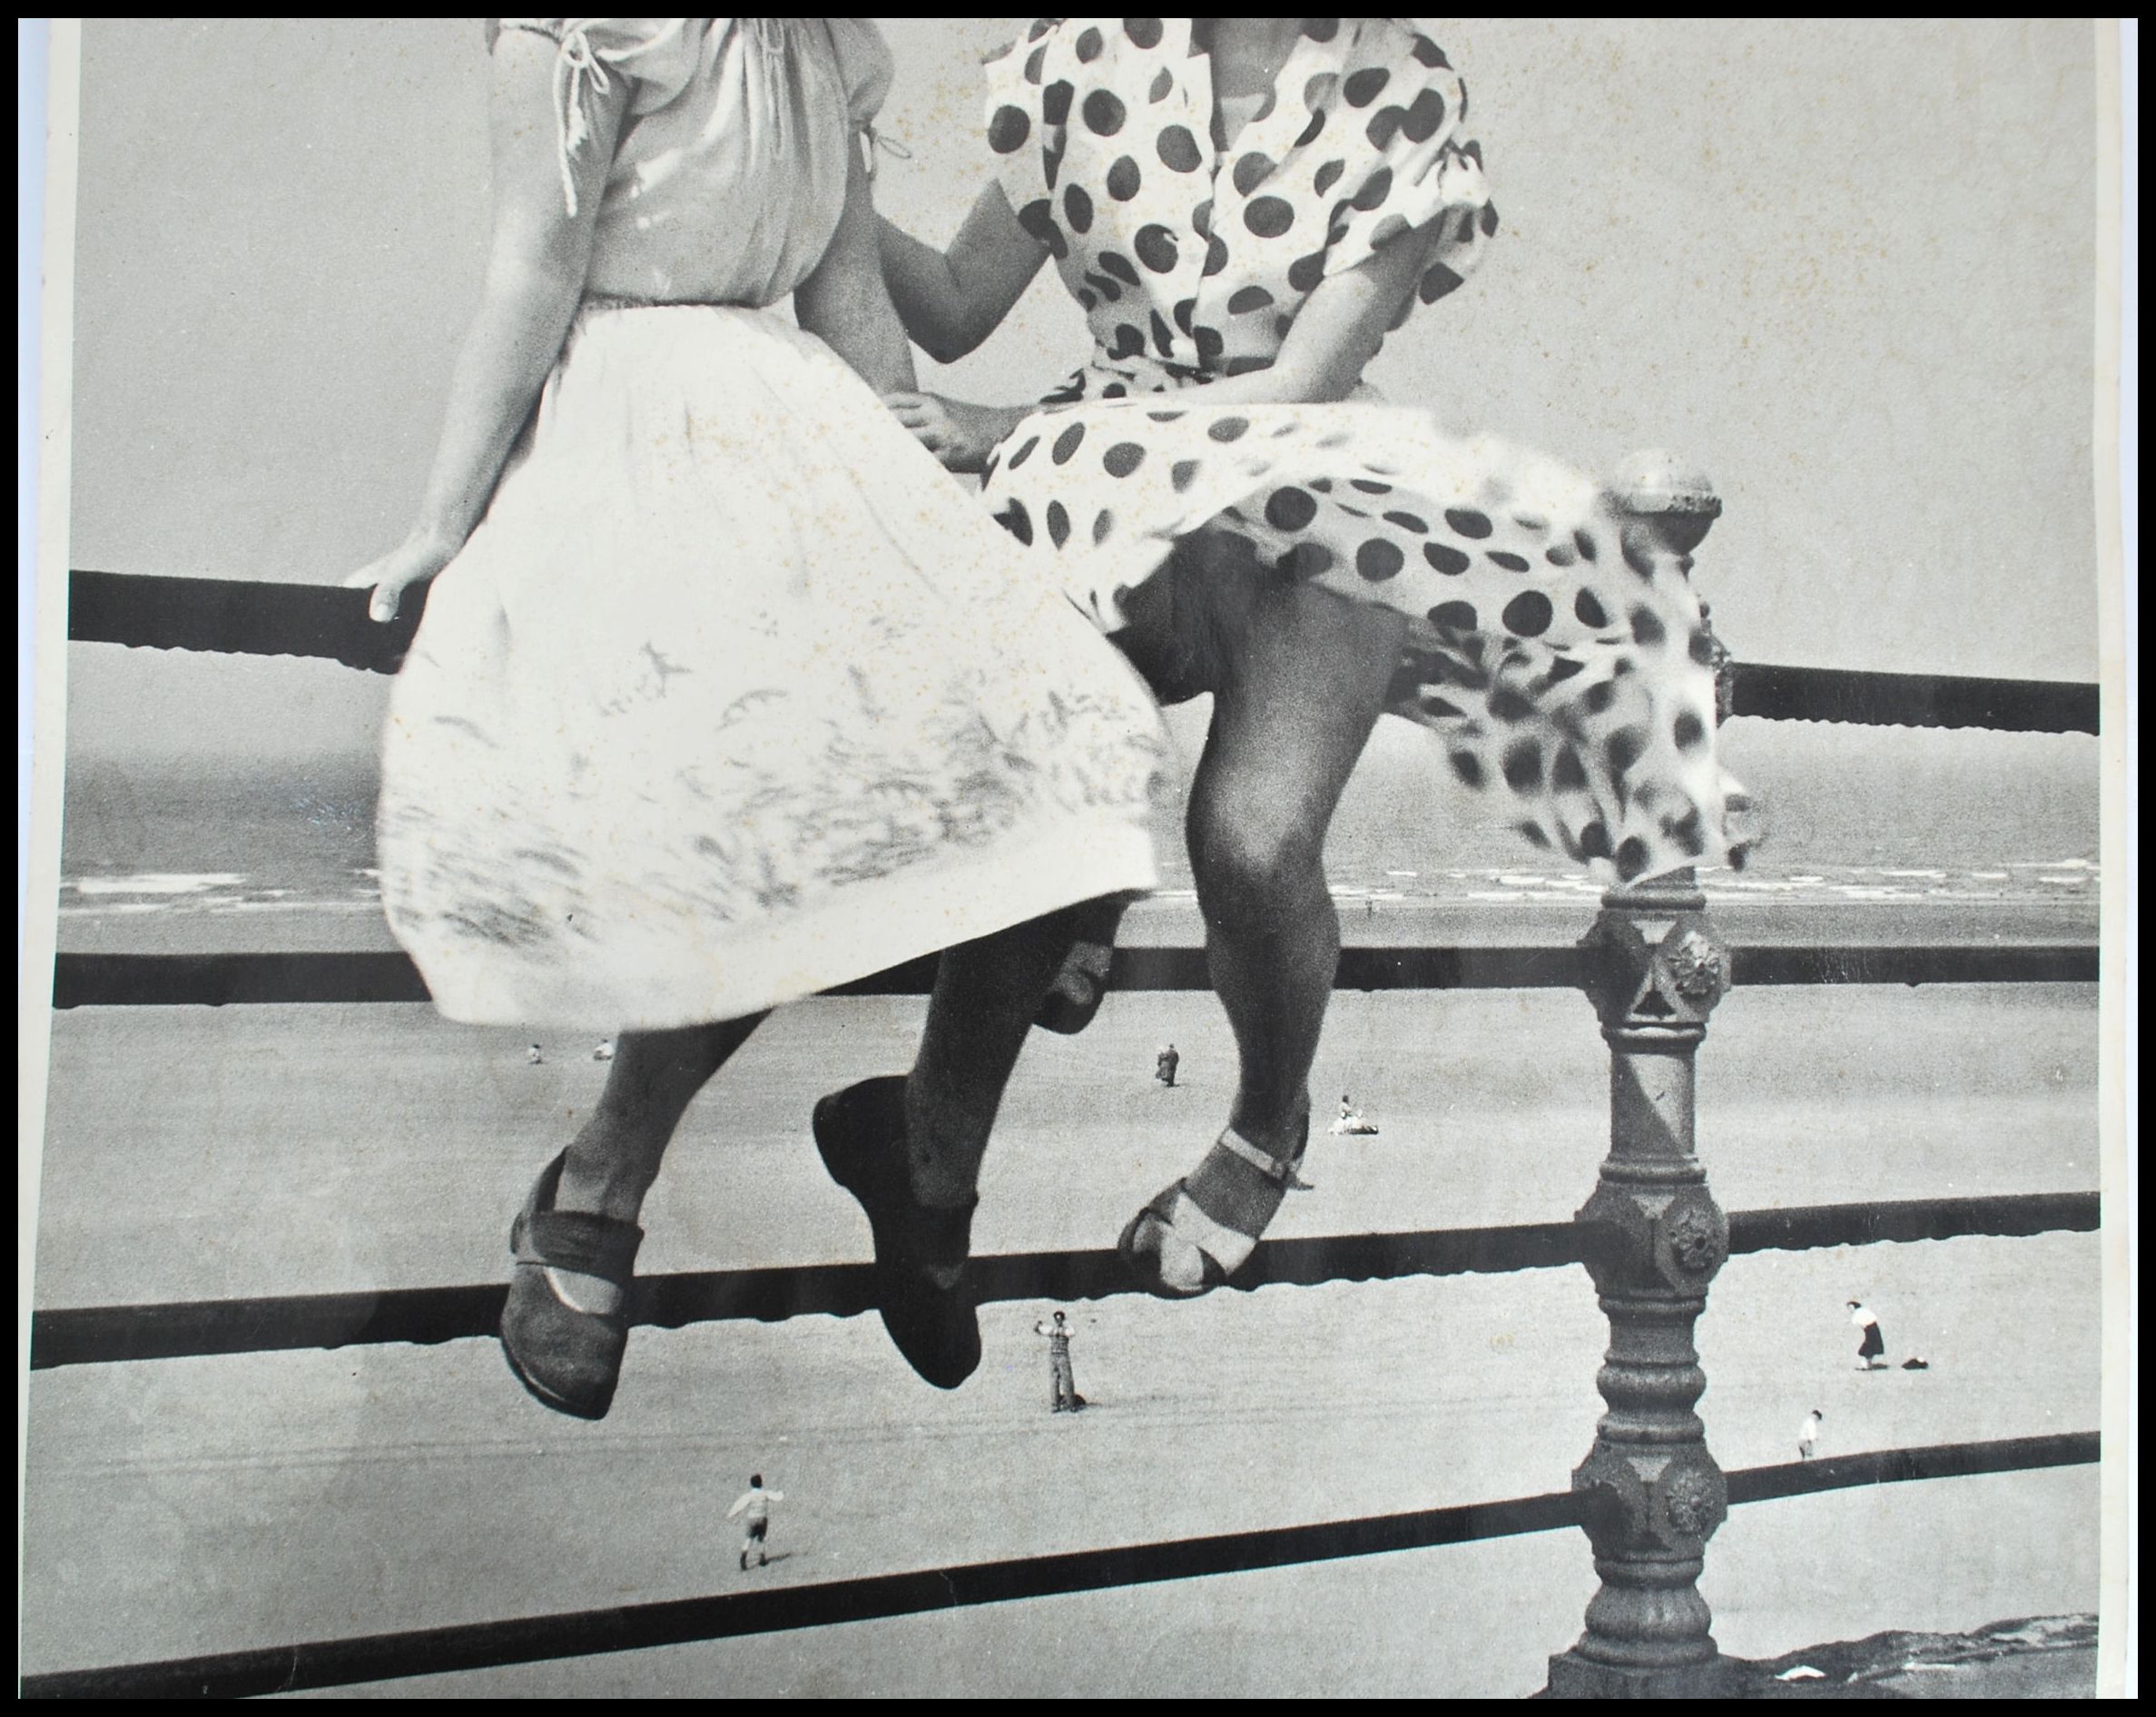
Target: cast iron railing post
(1652, 1238)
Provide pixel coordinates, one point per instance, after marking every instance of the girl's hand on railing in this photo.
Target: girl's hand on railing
(962, 436)
(414, 561)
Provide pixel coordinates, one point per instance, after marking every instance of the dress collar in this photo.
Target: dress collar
(1274, 131)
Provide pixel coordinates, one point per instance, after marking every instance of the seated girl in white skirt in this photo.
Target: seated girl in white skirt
(725, 692)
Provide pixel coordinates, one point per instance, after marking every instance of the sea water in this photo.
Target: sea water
(1957, 835)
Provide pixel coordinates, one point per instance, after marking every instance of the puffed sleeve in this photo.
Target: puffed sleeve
(1425, 172)
(866, 68)
(1022, 135)
(655, 57)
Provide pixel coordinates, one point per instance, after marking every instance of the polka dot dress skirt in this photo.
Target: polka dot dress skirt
(1556, 648)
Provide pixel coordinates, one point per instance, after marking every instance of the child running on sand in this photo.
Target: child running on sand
(757, 1501)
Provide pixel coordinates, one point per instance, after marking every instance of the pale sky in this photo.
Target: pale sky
(1846, 269)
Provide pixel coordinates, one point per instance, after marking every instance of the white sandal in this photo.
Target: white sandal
(1196, 1234)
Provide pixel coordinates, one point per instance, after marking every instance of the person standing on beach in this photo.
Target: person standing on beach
(724, 693)
(1871, 1347)
(1808, 1434)
(1165, 1065)
(1063, 1396)
(756, 1503)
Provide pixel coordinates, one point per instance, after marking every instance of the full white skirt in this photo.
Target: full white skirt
(734, 695)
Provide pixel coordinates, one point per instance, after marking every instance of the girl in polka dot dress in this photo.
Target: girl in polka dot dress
(1244, 207)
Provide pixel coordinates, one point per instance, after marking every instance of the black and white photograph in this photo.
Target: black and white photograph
(1077, 857)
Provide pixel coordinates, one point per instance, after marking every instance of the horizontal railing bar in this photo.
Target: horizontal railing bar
(1915, 964)
(114, 1335)
(1902, 1467)
(157, 981)
(824, 1603)
(107, 980)
(247, 618)
(1867, 698)
(235, 616)
(440, 1651)
(1997, 1216)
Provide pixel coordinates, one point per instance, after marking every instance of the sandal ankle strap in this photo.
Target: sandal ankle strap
(1273, 1168)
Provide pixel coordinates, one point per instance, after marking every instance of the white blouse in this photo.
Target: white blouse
(729, 174)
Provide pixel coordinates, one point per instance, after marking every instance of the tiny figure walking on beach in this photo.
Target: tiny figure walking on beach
(1871, 1351)
(532, 1058)
(757, 1501)
(1063, 1396)
(1165, 1064)
(1808, 1435)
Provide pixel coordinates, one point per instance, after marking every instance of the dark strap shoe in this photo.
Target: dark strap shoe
(568, 1359)
(920, 1252)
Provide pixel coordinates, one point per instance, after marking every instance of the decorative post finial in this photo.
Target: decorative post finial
(1675, 504)
(1674, 499)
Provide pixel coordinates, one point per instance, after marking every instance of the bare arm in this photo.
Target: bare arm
(844, 302)
(536, 269)
(950, 301)
(1335, 335)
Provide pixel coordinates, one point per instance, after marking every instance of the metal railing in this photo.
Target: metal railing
(539, 1639)
(1649, 1495)
(153, 611)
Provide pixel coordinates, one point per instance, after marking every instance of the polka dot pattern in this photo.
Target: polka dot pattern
(1156, 249)
(1104, 113)
(1359, 147)
(1576, 692)
(1269, 217)
(1179, 149)
(1564, 666)
(1007, 129)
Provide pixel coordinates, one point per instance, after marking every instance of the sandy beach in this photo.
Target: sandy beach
(221, 1502)
(185, 1506)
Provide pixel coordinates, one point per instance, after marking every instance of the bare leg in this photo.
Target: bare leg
(1081, 980)
(987, 992)
(1305, 685)
(1299, 678)
(611, 1164)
